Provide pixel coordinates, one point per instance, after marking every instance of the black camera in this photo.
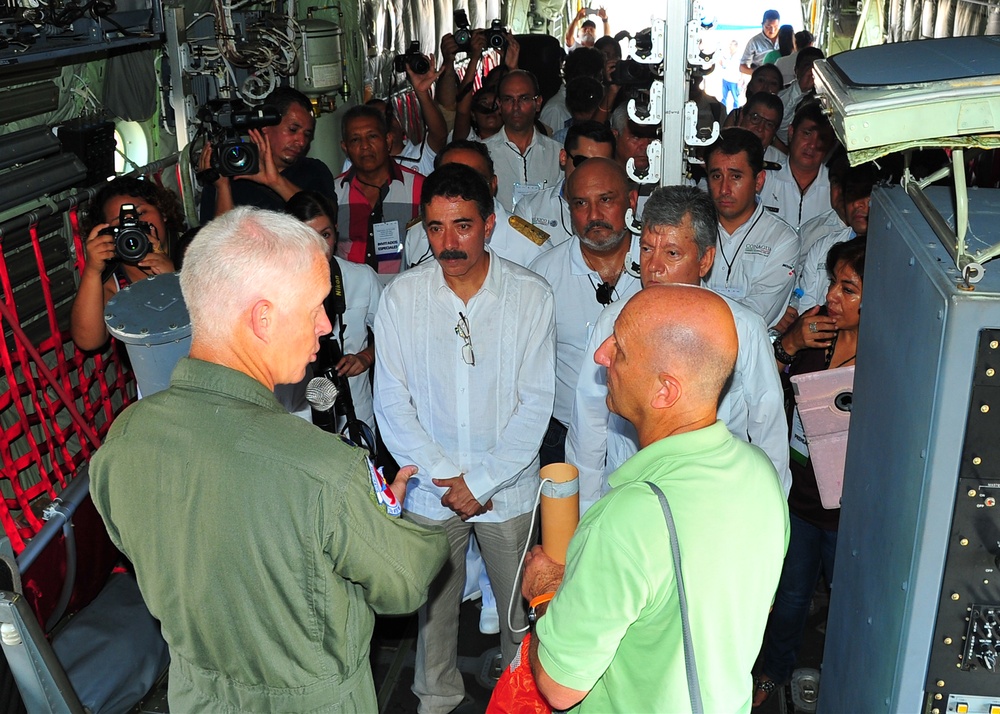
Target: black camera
(132, 242)
(412, 59)
(496, 36)
(463, 33)
(227, 121)
(629, 73)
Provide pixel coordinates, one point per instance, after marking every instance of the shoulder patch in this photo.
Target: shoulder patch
(384, 498)
(530, 231)
(413, 221)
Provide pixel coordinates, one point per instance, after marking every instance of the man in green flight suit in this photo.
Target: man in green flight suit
(263, 545)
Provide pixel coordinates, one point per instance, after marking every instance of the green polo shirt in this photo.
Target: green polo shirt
(257, 544)
(614, 627)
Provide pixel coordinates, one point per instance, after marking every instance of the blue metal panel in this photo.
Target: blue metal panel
(918, 341)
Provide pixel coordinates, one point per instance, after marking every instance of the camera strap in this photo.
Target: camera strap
(336, 301)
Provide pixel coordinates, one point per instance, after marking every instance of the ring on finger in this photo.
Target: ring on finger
(813, 327)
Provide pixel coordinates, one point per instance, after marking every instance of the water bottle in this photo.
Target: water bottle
(793, 301)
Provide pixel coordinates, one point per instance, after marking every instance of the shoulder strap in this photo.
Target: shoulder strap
(694, 690)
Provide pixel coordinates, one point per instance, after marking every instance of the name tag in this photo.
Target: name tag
(525, 189)
(733, 293)
(387, 238)
(799, 445)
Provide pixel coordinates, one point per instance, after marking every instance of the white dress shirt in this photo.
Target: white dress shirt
(548, 210)
(506, 241)
(790, 96)
(554, 114)
(814, 279)
(781, 195)
(755, 265)
(574, 285)
(775, 155)
(362, 291)
(753, 408)
(485, 421)
(538, 165)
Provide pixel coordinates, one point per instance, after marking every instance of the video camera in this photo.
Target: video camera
(463, 32)
(629, 73)
(131, 235)
(227, 121)
(413, 59)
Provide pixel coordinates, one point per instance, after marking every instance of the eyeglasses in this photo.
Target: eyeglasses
(462, 330)
(485, 108)
(756, 119)
(577, 159)
(508, 102)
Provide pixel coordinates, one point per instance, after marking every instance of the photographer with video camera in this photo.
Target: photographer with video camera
(130, 226)
(282, 169)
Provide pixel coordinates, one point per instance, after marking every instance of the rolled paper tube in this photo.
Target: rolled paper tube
(560, 504)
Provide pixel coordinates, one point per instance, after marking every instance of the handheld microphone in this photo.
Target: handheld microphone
(321, 393)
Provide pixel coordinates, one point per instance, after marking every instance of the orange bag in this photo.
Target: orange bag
(516, 692)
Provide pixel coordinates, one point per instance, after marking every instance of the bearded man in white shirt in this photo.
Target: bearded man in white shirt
(464, 387)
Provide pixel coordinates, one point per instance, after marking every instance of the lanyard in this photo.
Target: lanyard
(729, 263)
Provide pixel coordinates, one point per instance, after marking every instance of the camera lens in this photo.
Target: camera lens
(132, 245)
(237, 159)
(463, 37)
(419, 64)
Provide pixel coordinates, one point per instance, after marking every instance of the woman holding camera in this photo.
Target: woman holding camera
(157, 214)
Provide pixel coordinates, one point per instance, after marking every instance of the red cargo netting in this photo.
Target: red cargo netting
(56, 403)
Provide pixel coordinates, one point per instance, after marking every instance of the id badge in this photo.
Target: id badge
(732, 292)
(525, 189)
(799, 445)
(387, 238)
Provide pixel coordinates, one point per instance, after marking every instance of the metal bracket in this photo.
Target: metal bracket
(655, 56)
(653, 114)
(697, 31)
(691, 127)
(653, 153)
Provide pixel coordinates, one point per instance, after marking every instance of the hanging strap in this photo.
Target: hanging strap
(691, 667)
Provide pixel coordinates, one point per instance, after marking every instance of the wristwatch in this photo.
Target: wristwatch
(535, 604)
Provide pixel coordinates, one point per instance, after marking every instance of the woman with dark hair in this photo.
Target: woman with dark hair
(160, 217)
(353, 318)
(786, 44)
(822, 338)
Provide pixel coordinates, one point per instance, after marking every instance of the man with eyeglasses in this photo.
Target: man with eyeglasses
(586, 273)
(514, 238)
(677, 246)
(464, 385)
(800, 190)
(757, 251)
(526, 160)
(762, 116)
(548, 209)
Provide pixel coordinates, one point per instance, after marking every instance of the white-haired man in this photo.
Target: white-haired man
(263, 545)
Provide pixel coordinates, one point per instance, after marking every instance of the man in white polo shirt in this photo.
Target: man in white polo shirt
(586, 274)
(526, 160)
(757, 252)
